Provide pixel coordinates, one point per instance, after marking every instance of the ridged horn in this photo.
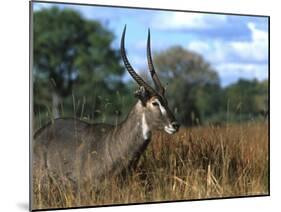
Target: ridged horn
(154, 75)
(130, 69)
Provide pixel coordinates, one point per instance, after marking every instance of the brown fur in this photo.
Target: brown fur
(78, 150)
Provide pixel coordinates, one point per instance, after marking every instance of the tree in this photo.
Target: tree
(73, 58)
(247, 99)
(192, 83)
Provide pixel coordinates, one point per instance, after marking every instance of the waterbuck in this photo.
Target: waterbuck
(80, 151)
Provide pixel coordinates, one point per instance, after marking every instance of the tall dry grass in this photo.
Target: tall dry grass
(195, 163)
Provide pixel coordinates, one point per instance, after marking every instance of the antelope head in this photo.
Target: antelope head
(154, 110)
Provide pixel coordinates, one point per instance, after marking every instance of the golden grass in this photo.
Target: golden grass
(195, 163)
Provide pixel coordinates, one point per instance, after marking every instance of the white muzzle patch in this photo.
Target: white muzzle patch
(170, 129)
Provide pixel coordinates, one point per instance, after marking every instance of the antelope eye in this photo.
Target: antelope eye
(155, 104)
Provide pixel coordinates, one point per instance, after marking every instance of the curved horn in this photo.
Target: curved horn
(130, 69)
(154, 76)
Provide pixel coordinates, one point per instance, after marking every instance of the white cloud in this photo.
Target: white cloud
(179, 20)
(199, 46)
(256, 49)
(231, 72)
(249, 70)
(237, 59)
(213, 51)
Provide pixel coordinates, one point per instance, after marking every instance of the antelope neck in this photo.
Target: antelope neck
(146, 133)
(139, 121)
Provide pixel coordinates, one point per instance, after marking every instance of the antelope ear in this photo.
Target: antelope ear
(142, 94)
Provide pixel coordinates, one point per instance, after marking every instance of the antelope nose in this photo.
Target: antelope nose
(175, 125)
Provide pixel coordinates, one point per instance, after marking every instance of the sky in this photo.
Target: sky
(236, 46)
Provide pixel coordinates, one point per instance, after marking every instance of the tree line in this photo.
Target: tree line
(77, 73)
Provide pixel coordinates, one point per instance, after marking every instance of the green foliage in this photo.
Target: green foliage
(73, 59)
(195, 93)
(78, 73)
(192, 83)
(247, 99)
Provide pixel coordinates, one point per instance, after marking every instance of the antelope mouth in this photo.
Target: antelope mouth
(170, 130)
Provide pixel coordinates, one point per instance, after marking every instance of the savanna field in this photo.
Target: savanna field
(195, 163)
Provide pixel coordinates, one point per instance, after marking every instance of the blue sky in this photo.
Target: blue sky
(235, 46)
